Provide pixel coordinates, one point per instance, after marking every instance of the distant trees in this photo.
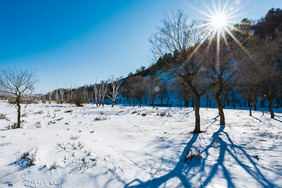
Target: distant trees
(129, 90)
(114, 90)
(17, 83)
(183, 91)
(164, 93)
(78, 97)
(139, 88)
(153, 86)
(135, 89)
(267, 56)
(100, 92)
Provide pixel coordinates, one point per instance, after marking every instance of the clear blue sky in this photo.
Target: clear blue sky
(71, 43)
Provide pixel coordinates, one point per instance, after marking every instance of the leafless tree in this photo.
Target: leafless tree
(139, 88)
(266, 55)
(153, 85)
(17, 83)
(183, 91)
(164, 91)
(100, 92)
(184, 41)
(129, 90)
(114, 90)
(223, 66)
(78, 97)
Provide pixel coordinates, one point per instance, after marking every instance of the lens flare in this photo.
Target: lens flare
(219, 21)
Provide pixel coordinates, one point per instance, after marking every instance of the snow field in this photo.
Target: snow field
(67, 146)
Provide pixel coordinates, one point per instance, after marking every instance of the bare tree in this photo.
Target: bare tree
(100, 92)
(129, 90)
(164, 92)
(139, 88)
(17, 83)
(184, 41)
(78, 97)
(153, 85)
(183, 91)
(266, 55)
(223, 69)
(114, 90)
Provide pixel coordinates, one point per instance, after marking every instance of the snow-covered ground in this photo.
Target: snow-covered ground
(67, 146)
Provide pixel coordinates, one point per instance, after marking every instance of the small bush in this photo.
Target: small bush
(134, 112)
(192, 156)
(39, 112)
(163, 114)
(28, 158)
(24, 115)
(38, 124)
(13, 126)
(101, 118)
(59, 119)
(60, 101)
(33, 102)
(3, 116)
(74, 137)
(54, 166)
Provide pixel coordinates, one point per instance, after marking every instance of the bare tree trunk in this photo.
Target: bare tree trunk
(270, 100)
(19, 112)
(220, 109)
(233, 100)
(250, 106)
(186, 102)
(255, 105)
(197, 116)
(262, 103)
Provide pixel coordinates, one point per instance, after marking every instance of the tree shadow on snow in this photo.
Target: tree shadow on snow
(278, 120)
(185, 171)
(177, 172)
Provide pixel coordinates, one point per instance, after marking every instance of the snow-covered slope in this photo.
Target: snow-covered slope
(67, 146)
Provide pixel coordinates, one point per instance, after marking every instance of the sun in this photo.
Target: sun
(219, 21)
(219, 17)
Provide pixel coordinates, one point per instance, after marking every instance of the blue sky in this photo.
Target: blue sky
(72, 43)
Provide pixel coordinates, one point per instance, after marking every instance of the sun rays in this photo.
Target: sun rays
(219, 23)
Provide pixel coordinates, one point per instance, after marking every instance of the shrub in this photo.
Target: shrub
(101, 118)
(33, 102)
(24, 115)
(13, 126)
(28, 158)
(192, 156)
(3, 116)
(134, 112)
(39, 112)
(74, 137)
